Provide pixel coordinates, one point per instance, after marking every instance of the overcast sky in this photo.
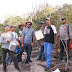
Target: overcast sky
(21, 7)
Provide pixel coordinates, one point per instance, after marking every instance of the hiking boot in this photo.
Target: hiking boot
(19, 69)
(4, 70)
(46, 69)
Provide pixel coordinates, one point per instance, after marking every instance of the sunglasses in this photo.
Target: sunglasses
(28, 24)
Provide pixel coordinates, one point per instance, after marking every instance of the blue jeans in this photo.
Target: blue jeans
(28, 48)
(42, 51)
(48, 48)
(8, 59)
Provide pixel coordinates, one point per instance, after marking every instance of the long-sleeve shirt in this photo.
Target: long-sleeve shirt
(4, 38)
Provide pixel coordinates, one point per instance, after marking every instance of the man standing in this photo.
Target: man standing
(64, 35)
(6, 38)
(28, 39)
(42, 45)
(49, 32)
(12, 29)
(21, 29)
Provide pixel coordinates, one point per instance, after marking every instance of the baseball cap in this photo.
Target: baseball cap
(42, 22)
(63, 19)
(6, 25)
(47, 18)
(12, 26)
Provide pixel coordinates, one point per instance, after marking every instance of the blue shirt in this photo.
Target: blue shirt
(28, 35)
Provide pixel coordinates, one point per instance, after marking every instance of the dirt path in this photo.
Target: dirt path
(34, 66)
(31, 67)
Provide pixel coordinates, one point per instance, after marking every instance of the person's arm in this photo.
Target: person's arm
(22, 39)
(17, 37)
(56, 35)
(70, 34)
(56, 39)
(34, 38)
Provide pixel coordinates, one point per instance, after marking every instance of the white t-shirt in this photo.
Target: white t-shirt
(54, 29)
(15, 35)
(20, 32)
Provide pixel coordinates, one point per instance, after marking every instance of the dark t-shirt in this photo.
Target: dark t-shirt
(49, 35)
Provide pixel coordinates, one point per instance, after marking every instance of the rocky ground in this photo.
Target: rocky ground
(37, 66)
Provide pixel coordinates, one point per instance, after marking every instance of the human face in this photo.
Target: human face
(63, 21)
(13, 29)
(43, 25)
(28, 25)
(21, 27)
(48, 22)
(7, 28)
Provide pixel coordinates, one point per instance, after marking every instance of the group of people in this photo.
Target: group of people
(28, 38)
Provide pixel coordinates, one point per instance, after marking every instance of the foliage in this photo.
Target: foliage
(55, 15)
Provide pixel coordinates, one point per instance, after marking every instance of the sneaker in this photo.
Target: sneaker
(4, 70)
(19, 69)
(46, 69)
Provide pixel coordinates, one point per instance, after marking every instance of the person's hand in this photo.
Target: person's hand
(43, 28)
(18, 44)
(9, 40)
(42, 44)
(56, 43)
(32, 44)
(22, 45)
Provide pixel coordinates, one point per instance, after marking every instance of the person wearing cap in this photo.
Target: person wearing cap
(49, 32)
(42, 45)
(12, 29)
(28, 39)
(6, 38)
(64, 35)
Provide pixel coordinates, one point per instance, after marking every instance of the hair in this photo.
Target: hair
(6, 25)
(20, 25)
